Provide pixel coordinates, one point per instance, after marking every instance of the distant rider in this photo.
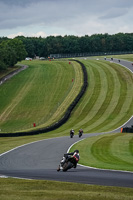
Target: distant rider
(71, 133)
(80, 132)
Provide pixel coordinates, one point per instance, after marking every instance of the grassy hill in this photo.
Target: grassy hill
(108, 101)
(39, 94)
(42, 93)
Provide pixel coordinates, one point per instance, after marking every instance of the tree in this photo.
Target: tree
(68, 44)
(18, 48)
(11, 51)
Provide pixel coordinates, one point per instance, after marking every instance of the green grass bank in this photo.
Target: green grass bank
(101, 77)
(40, 94)
(112, 151)
(14, 189)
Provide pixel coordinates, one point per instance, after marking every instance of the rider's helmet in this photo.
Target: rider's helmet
(76, 151)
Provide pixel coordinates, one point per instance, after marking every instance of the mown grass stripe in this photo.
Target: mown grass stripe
(92, 98)
(122, 148)
(111, 99)
(42, 104)
(21, 94)
(107, 151)
(101, 150)
(56, 94)
(89, 106)
(78, 82)
(120, 105)
(82, 115)
(95, 113)
(89, 114)
(131, 146)
(81, 110)
(110, 90)
(125, 104)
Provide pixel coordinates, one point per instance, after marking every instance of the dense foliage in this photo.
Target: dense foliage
(14, 50)
(11, 51)
(73, 44)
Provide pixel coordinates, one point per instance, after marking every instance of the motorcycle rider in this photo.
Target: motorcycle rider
(66, 157)
(80, 132)
(71, 132)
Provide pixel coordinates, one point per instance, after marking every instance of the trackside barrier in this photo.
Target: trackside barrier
(63, 119)
(128, 129)
(121, 130)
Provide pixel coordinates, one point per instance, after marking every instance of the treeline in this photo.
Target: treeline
(43, 47)
(11, 51)
(17, 48)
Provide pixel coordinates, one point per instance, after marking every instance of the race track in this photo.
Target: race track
(39, 160)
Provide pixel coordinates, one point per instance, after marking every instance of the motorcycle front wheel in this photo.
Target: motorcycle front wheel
(71, 136)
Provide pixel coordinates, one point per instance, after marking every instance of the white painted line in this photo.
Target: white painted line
(124, 123)
(125, 67)
(3, 176)
(74, 144)
(105, 169)
(119, 126)
(28, 144)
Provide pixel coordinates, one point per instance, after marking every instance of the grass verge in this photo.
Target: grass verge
(112, 151)
(14, 189)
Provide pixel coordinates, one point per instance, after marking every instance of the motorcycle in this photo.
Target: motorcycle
(80, 133)
(71, 134)
(69, 163)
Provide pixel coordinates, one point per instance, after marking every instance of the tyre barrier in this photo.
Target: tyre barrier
(128, 129)
(63, 119)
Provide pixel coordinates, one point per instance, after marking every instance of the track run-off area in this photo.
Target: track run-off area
(39, 160)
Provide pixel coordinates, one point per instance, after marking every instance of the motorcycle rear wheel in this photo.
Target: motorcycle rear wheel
(67, 165)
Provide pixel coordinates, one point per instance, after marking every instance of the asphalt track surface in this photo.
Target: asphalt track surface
(39, 160)
(7, 77)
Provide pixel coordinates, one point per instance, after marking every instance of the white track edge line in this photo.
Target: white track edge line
(28, 144)
(75, 142)
(100, 169)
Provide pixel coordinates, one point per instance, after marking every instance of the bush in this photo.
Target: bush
(3, 66)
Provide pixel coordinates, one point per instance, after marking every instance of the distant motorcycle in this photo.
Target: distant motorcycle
(71, 133)
(80, 132)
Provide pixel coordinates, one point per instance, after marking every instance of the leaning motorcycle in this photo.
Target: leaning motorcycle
(70, 162)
